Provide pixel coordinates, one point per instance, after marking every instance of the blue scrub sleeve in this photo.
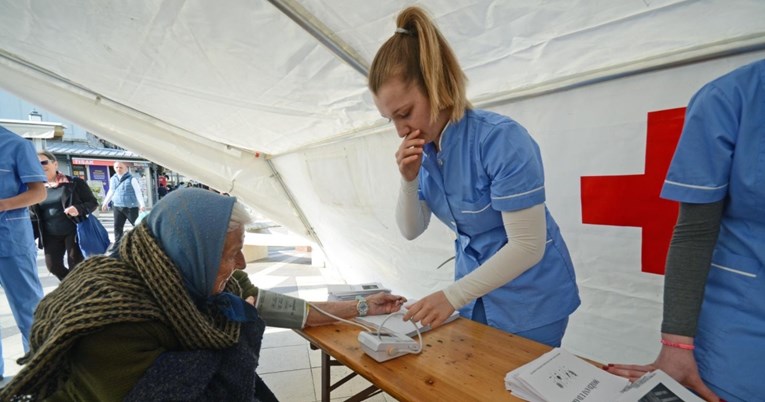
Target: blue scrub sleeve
(28, 164)
(512, 160)
(700, 169)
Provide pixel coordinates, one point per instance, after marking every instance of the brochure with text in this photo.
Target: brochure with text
(558, 375)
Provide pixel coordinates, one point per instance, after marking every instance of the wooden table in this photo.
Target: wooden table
(460, 361)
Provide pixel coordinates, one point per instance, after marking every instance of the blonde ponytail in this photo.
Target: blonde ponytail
(418, 53)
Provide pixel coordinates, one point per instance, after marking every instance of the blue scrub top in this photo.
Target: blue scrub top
(18, 165)
(488, 163)
(721, 156)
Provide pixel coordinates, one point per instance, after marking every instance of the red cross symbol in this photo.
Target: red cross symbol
(633, 200)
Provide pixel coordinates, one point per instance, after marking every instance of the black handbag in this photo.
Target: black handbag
(35, 223)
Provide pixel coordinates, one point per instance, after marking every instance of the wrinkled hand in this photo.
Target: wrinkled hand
(71, 211)
(409, 155)
(677, 363)
(384, 303)
(432, 310)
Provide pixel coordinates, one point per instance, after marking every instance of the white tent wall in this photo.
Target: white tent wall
(241, 97)
(348, 192)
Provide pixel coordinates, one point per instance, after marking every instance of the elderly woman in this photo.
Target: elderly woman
(169, 317)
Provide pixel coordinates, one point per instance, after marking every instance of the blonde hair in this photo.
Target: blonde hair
(418, 53)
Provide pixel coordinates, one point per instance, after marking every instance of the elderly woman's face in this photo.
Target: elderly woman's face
(232, 260)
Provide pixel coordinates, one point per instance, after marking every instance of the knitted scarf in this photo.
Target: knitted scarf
(143, 285)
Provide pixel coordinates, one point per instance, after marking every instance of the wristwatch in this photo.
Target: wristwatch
(362, 307)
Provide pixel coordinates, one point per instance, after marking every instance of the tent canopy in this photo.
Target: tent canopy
(247, 75)
(268, 100)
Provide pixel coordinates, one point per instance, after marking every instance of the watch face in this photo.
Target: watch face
(362, 307)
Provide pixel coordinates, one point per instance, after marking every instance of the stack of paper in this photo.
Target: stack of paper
(349, 292)
(396, 323)
(558, 375)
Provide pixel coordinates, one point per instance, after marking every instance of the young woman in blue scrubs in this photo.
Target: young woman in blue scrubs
(713, 331)
(481, 174)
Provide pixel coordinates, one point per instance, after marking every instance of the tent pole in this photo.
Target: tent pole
(308, 227)
(324, 35)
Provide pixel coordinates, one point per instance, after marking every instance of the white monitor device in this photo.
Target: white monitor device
(382, 347)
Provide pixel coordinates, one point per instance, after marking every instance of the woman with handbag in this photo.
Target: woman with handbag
(68, 202)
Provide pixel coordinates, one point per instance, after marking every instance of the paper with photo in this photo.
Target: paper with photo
(657, 386)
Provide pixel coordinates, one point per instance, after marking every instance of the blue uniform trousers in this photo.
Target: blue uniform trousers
(18, 277)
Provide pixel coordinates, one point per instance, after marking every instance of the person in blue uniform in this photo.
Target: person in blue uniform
(481, 174)
(713, 328)
(21, 185)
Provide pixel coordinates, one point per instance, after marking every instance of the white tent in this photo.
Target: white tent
(268, 101)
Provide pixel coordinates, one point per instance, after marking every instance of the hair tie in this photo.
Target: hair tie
(403, 31)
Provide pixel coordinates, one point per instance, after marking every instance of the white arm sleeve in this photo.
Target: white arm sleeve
(138, 192)
(526, 236)
(412, 215)
(109, 195)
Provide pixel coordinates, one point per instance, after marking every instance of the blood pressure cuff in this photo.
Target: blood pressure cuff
(279, 310)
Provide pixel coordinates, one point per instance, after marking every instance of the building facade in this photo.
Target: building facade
(79, 152)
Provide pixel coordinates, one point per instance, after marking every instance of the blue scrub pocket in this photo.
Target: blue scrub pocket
(476, 217)
(731, 333)
(9, 184)
(733, 282)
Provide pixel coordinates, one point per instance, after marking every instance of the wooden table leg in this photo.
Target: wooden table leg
(325, 364)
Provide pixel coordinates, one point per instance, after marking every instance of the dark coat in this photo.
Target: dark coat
(77, 193)
(208, 375)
